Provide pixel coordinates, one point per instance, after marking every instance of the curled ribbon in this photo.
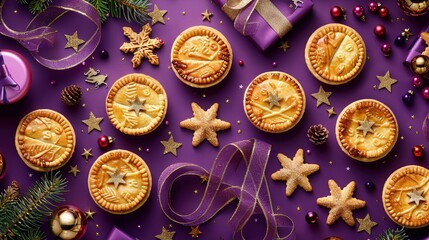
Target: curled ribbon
(253, 195)
(39, 30)
(6, 80)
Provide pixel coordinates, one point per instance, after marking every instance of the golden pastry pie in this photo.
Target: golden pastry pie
(119, 182)
(136, 104)
(45, 140)
(405, 196)
(335, 53)
(274, 102)
(366, 130)
(201, 56)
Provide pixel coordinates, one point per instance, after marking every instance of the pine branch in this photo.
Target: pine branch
(36, 6)
(102, 8)
(131, 10)
(24, 215)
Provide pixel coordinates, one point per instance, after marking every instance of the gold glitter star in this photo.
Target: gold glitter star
(207, 15)
(93, 122)
(322, 97)
(366, 224)
(195, 232)
(407, 33)
(157, 15)
(89, 214)
(87, 153)
(204, 178)
(165, 234)
(331, 112)
(74, 170)
(386, 81)
(295, 172)
(73, 41)
(171, 146)
(284, 45)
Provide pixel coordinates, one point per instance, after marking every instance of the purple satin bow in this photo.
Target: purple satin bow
(253, 195)
(6, 80)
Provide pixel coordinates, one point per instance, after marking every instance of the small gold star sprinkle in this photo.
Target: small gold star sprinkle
(207, 15)
(298, 208)
(89, 214)
(157, 15)
(97, 225)
(87, 153)
(204, 178)
(165, 234)
(365, 224)
(195, 232)
(183, 13)
(407, 33)
(73, 41)
(74, 170)
(331, 112)
(93, 122)
(386, 81)
(410, 127)
(196, 191)
(412, 116)
(330, 162)
(15, 11)
(284, 45)
(171, 146)
(239, 131)
(322, 97)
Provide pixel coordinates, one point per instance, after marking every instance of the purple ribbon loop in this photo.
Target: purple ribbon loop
(39, 31)
(6, 80)
(253, 195)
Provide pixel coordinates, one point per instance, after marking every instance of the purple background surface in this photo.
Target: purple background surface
(146, 222)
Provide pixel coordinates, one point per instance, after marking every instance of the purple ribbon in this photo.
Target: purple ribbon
(253, 195)
(6, 80)
(417, 47)
(39, 31)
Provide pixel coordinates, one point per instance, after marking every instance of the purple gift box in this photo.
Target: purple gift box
(117, 234)
(265, 21)
(417, 47)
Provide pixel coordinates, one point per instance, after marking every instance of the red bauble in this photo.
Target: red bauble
(2, 166)
(425, 93)
(311, 217)
(417, 151)
(337, 12)
(373, 6)
(386, 49)
(417, 81)
(359, 11)
(104, 141)
(383, 11)
(241, 62)
(380, 30)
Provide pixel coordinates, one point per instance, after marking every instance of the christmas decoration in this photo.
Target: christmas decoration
(68, 223)
(393, 234)
(400, 40)
(195, 232)
(370, 186)
(420, 46)
(420, 65)
(311, 217)
(373, 6)
(165, 234)
(104, 54)
(74, 170)
(284, 45)
(386, 49)
(89, 214)
(383, 11)
(359, 12)
(87, 153)
(415, 7)
(105, 141)
(21, 218)
(417, 81)
(406, 33)
(73, 41)
(380, 30)
(93, 122)
(408, 97)
(425, 93)
(366, 224)
(317, 134)
(92, 76)
(157, 15)
(207, 15)
(322, 97)
(141, 45)
(337, 12)
(241, 62)
(331, 112)
(386, 81)
(295, 172)
(71, 95)
(171, 146)
(417, 151)
(2, 166)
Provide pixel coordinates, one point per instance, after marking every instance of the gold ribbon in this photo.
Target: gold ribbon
(266, 9)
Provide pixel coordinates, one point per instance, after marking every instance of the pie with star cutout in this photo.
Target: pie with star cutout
(274, 102)
(366, 130)
(136, 104)
(45, 140)
(405, 196)
(119, 181)
(335, 53)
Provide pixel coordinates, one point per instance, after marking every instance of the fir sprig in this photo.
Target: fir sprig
(393, 234)
(21, 218)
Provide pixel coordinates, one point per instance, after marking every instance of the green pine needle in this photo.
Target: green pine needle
(23, 216)
(102, 8)
(36, 6)
(393, 234)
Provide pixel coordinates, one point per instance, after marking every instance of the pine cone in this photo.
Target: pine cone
(71, 95)
(318, 134)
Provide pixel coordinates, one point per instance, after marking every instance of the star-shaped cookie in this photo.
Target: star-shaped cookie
(341, 203)
(322, 97)
(165, 234)
(171, 146)
(73, 41)
(205, 124)
(295, 172)
(93, 122)
(386, 81)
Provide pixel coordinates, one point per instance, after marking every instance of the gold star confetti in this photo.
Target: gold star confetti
(295, 172)
(93, 122)
(207, 15)
(195, 232)
(386, 81)
(407, 33)
(322, 97)
(89, 214)
(284, 45)
(87, 153)
(366, 224)
(165, 234)
(73, 41)
(331, 112)
(171, 146)
(74, 170)
(157, 15)
(204, 178)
